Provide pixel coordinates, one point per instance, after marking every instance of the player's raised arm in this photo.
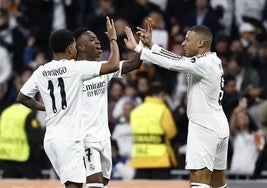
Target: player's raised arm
(113, 62)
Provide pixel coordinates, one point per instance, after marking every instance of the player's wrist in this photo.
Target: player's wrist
(138, 48)
(113, 39)
(141, 43)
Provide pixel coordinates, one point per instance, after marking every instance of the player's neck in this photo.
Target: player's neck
(60, 56)
(83, 56)
(203, 51)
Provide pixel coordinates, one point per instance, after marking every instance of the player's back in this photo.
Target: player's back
(60, 85)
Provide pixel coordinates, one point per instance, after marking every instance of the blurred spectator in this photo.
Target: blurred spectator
(153, 127)
(202, 14)
(160, 34)
(13, 36)
(39, 15)
(177, 9)
(247, 34)
(179, 90)
(225, 11)
(222, 43)
(121, 170)
(130, 96)
(261, 163)
(243, 75)
(19, 79)
(236, 48)
(39, 58)
(67, 13)
(33, 55)
(242, 131)
(231, 96)
(5, 65)
(180, 140)
(142, 84)
(260, 65)
(3, 92)
(248, 9)
(115, 92)
(96, 21)
(122, 132)
(21, 143)
(230, 101)
(135, 11)
(162, 4)
(179, 85)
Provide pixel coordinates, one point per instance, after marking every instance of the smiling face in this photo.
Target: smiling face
(190, 44)
(89, 44)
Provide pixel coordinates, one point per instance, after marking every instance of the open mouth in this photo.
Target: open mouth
(98, 48)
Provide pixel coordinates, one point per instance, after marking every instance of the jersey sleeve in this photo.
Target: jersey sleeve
(30, 88)
(88, 69)
(168, 60)
(116, 74)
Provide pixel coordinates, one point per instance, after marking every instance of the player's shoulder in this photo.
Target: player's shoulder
(203, 57)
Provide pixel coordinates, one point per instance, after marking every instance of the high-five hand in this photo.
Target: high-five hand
(130, 42)
(111, 31)
(146, 34)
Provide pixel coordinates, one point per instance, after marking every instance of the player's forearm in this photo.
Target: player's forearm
(162, 59)
(113, 62)
(132, 64)
(29, 102)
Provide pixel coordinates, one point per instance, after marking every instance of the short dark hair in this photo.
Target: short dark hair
(79, 31)
(228, 77)
(155, 88)
(204, 31)
(60, 39)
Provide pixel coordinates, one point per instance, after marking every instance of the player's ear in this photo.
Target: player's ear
(80, 47)
(69, 49)
(201, 43)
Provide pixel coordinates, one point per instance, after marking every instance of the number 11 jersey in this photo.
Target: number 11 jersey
(60, 86)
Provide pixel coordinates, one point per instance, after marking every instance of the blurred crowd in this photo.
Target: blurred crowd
(239, 29)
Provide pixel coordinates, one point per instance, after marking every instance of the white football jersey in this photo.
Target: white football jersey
(205, 85)
(60, 85)
(95, 106)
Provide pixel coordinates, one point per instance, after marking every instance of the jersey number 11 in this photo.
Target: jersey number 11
(62, 94)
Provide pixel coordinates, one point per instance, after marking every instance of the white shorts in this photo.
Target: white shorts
(205, 150)
(98, 157)
(67, 158)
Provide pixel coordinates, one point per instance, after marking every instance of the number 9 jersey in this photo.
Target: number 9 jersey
(60, 86)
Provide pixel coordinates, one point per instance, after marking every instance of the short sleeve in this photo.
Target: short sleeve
(88, 69)
(30, 88)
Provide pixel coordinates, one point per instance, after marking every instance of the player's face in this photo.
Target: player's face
(92, 45)
(190, 44)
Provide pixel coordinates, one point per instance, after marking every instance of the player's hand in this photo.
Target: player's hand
(130, 42)
(111, 31)
(146, 34)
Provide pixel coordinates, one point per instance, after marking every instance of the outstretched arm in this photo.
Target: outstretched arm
(162, 57)
(131, 64)
(145, 37)
(29, 102)
(113, 62)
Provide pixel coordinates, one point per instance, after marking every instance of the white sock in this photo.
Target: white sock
(225, 186)
(199, 185)
(94, 185)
